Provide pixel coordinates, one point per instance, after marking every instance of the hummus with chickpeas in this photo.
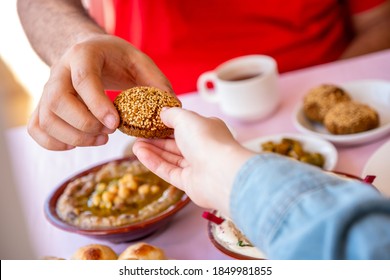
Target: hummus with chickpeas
(118, 194)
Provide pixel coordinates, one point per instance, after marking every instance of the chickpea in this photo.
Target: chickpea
(118, 201)
(107, 204)
(100, 187)
(108, 196)
(128, 181)
(154, 189)
(144, 189)
(123, 192)
(113, 188)
(95, 200)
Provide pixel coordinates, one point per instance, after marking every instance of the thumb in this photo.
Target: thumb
(174, 116)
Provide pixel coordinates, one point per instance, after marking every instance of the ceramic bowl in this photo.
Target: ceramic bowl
(118, 234)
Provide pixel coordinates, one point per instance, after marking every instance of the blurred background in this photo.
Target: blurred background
(22, 73)
(22, 77)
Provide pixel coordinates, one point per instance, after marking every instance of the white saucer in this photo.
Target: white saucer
(309, 143)
(375, 93)
(379, 165)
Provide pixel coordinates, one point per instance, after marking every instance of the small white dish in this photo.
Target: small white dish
(226, 238)
(379, 165)
(309, 143)
(375, 93)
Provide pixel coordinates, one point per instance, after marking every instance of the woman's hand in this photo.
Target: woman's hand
(202, 159)
(74, 109)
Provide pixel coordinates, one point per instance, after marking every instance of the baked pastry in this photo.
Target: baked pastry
(94, 252)
(52, 258)
(319, 100)
(142, 251)
(351, 117)
(139, 111)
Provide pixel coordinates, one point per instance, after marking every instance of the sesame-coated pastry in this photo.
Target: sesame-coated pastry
(139, 111)
(319, 100)
(351, 117)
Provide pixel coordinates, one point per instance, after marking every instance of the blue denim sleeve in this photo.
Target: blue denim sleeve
(295, 211)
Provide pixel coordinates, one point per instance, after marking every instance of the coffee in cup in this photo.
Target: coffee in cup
(245, 87)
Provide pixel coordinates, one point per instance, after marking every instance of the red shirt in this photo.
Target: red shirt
(187, 38)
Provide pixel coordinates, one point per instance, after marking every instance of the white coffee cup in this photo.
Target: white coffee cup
(245, 87)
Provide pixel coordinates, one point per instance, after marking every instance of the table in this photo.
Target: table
(38, 171)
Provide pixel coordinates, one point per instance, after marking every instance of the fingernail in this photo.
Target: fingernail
(110, 121)
(101, 140)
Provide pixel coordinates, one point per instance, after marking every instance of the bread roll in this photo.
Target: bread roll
(94, 252)
(142, 251)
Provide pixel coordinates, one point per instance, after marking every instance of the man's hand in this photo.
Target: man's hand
(74, 110)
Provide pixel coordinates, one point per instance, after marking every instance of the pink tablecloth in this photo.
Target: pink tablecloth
(38, 171)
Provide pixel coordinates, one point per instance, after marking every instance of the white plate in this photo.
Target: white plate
(375, 93)
(309, 143)
(379, 165)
